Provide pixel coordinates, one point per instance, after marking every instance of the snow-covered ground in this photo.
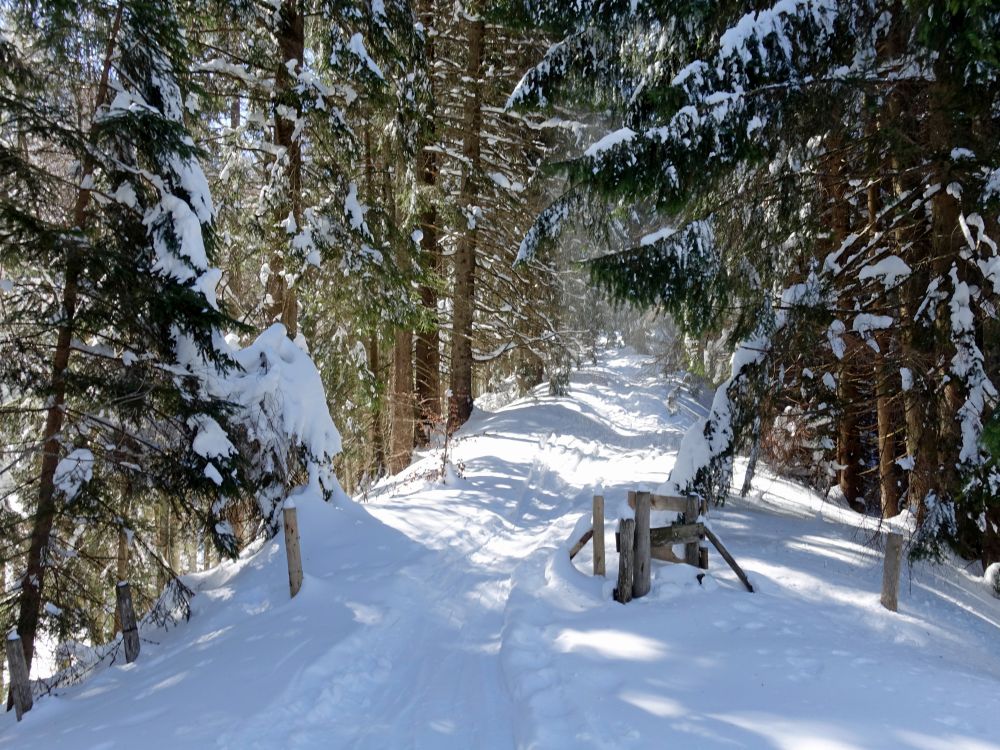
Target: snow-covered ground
(449, 616)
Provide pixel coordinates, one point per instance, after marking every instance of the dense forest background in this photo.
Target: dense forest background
(438, 200)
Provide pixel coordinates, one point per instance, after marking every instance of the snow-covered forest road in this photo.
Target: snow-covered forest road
(448, 615)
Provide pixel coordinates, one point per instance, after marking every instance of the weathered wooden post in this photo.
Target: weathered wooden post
(691, 554)
(890, 570)
(599, 568)
(292, 550)
(20, 686)
(126, 615)
(703, 540)
(626, 532)
(641, 579)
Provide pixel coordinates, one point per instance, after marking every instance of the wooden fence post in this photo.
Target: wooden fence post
(599, 568)
(703, 540)
(126, 614)
(292, 550)
(20, 685)
(691, 554)
(890, 570)
(641, 579)
(626, 531)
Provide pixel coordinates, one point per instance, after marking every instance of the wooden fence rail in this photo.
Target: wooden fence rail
(581, 543)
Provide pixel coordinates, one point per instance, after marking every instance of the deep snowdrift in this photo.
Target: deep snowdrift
(449, 616)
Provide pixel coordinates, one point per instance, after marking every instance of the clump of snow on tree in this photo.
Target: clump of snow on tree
(285, 413)
(73, 471)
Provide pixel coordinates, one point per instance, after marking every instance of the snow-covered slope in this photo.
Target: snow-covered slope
(449, 616)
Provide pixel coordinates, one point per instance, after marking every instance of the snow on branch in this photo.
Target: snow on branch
(284, 412)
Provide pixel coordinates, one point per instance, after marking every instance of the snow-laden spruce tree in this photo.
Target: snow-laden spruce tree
(824, 180)
(119, 392)
(109, 307)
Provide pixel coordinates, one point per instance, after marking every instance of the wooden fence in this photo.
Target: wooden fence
(638, 544)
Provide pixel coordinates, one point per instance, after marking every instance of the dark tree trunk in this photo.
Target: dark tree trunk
(463, 298)
(885, 375)
(283, 303)
(401, 436)
(888, 471)
(428, 356)
(849, 433)
(377, 437)
(848, 427)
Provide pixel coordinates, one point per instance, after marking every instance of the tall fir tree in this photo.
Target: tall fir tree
(112, 330)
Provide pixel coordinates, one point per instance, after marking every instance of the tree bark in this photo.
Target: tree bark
(121, 562)
(945, 211)
(916, 340)
(887, 469)
(463, 298)
(165, 543)
(401, 435)
(885, 374)
(283, 303)
(849, 434)
(848, 430)
(377, 436)
(428, 357)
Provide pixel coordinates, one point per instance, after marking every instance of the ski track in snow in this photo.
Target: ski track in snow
(449, 616)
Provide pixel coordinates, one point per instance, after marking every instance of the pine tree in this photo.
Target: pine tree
(112, 327)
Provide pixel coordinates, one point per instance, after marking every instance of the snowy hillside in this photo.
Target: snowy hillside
(449, 616)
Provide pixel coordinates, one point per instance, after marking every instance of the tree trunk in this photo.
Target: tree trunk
(916, 340)
(947, 246)
(885, 375)
(283, 302)
(401, 395)
(463, 298)
(377, 437)
(206, 547)
(121, 562)
(920, 435)
(164, 543)
(428, 357)
(887, 469)
(401, 435)
(849, 434)
(30, 597)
